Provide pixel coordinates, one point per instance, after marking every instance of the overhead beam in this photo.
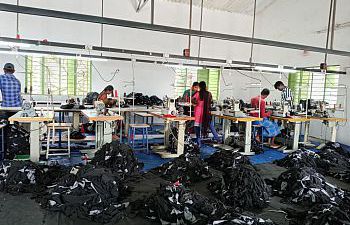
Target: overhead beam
(160, 28)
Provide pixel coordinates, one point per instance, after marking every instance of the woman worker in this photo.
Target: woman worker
(104, 96)
(202, 101)
(270, 129)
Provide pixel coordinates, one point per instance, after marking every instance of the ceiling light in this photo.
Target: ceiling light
(280, 69)
(15, 44)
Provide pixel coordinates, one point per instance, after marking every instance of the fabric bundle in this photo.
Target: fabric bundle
(222, 160)
(338, 163)
(18, 177)
(187, 168)
(336, 147)
(243, 220)
(119, 158)
(303, 158)
(241, 187)
(304, 186)
(322, 214)
(17, 141)
(141, 99)
(88, 193)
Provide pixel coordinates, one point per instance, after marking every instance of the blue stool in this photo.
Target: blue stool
(132, 133)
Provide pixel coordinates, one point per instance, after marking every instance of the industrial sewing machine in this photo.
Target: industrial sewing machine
(28, 109)
(169, 106)
(100, 108)
(232, 107)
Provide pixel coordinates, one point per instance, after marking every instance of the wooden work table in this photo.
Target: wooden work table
(35, 143)
(181, 123)
(248, 128)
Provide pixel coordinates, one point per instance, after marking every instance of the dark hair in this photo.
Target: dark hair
(278, 83)
(195, 84)
(109, 88)
(265, 91)
(203, 89)
(9, 70)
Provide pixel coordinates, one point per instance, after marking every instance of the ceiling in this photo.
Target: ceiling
(236, 6)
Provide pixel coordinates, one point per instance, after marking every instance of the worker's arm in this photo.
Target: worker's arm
(263, 112)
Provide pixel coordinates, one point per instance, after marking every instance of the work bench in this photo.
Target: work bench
(35, 142)
(248, 128)
(181, 121)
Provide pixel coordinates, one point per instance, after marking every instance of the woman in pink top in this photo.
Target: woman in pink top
(202, 101)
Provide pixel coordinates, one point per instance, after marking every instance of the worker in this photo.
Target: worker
(105, 95)
(286, 95)
(202, 101)
(190, 92)
(10, 88)
(270, 129)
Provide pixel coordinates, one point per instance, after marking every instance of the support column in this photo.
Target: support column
(166, 132)
(334, 131)
(226, 128)
(181, 138)
(297, 126)
(107, 132)
(307, 131)
(76, 120)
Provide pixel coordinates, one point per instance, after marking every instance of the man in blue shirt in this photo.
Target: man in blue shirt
(10, 87)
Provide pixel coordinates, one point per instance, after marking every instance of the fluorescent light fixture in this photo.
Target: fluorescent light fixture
(15, 44)
(254, 84)
(183, 67)
(280, 69)
(9, 52)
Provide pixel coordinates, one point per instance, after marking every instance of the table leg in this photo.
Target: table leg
(121, 131)
(99, 134)
(127, 122)
(35, 145)
(76, 120)
(334, 131)
(107, 132)
(307, 131)
(297, 126)
(248, 139)
(226, 128)
(166, 132)
(181, 138)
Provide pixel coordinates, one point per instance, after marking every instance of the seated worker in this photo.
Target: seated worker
(10, 88)
(270, 129)
(104, 96)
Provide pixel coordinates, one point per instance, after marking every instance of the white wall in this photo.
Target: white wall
(294, 21)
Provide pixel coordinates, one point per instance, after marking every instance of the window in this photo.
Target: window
(186, 76)
(59, 75)
(314, 85)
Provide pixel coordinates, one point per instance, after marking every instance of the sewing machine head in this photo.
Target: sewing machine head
(27, 109)
(100, 107)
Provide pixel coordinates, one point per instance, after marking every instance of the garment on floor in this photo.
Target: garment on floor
(303, 158)
(242, 188)
(322, 214)
(77, 135)
(17, 177)
(175, 204)
(17, 141)
(236, 143)
(336, 147)
(304, 186)
(189, 146)
(90, 193)
(187, 168)
(223, 160)
(119, 158)
(338, 163)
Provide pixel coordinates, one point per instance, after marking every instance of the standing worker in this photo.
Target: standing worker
(202, 101)
(10, 88)
(286, 95)
(190, 92)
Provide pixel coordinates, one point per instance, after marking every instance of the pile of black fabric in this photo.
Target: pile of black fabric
(141, 99)
(90, 193)
(17, 177)
(233, 142)
(189, 146)
(336, 147)
(17, 141)
(338, 163)
(90, 98)
(303, 158)
(242, 188)
(175, 204)
(306, 187)
(222, 160)
(322, 214)
(119, 158)
(187, 168)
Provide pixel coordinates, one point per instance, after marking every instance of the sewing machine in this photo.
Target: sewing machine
(28, 109)
(100, 107)
(232, 107)
(170, 106)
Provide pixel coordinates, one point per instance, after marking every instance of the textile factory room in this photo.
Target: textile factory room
(174, 112)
